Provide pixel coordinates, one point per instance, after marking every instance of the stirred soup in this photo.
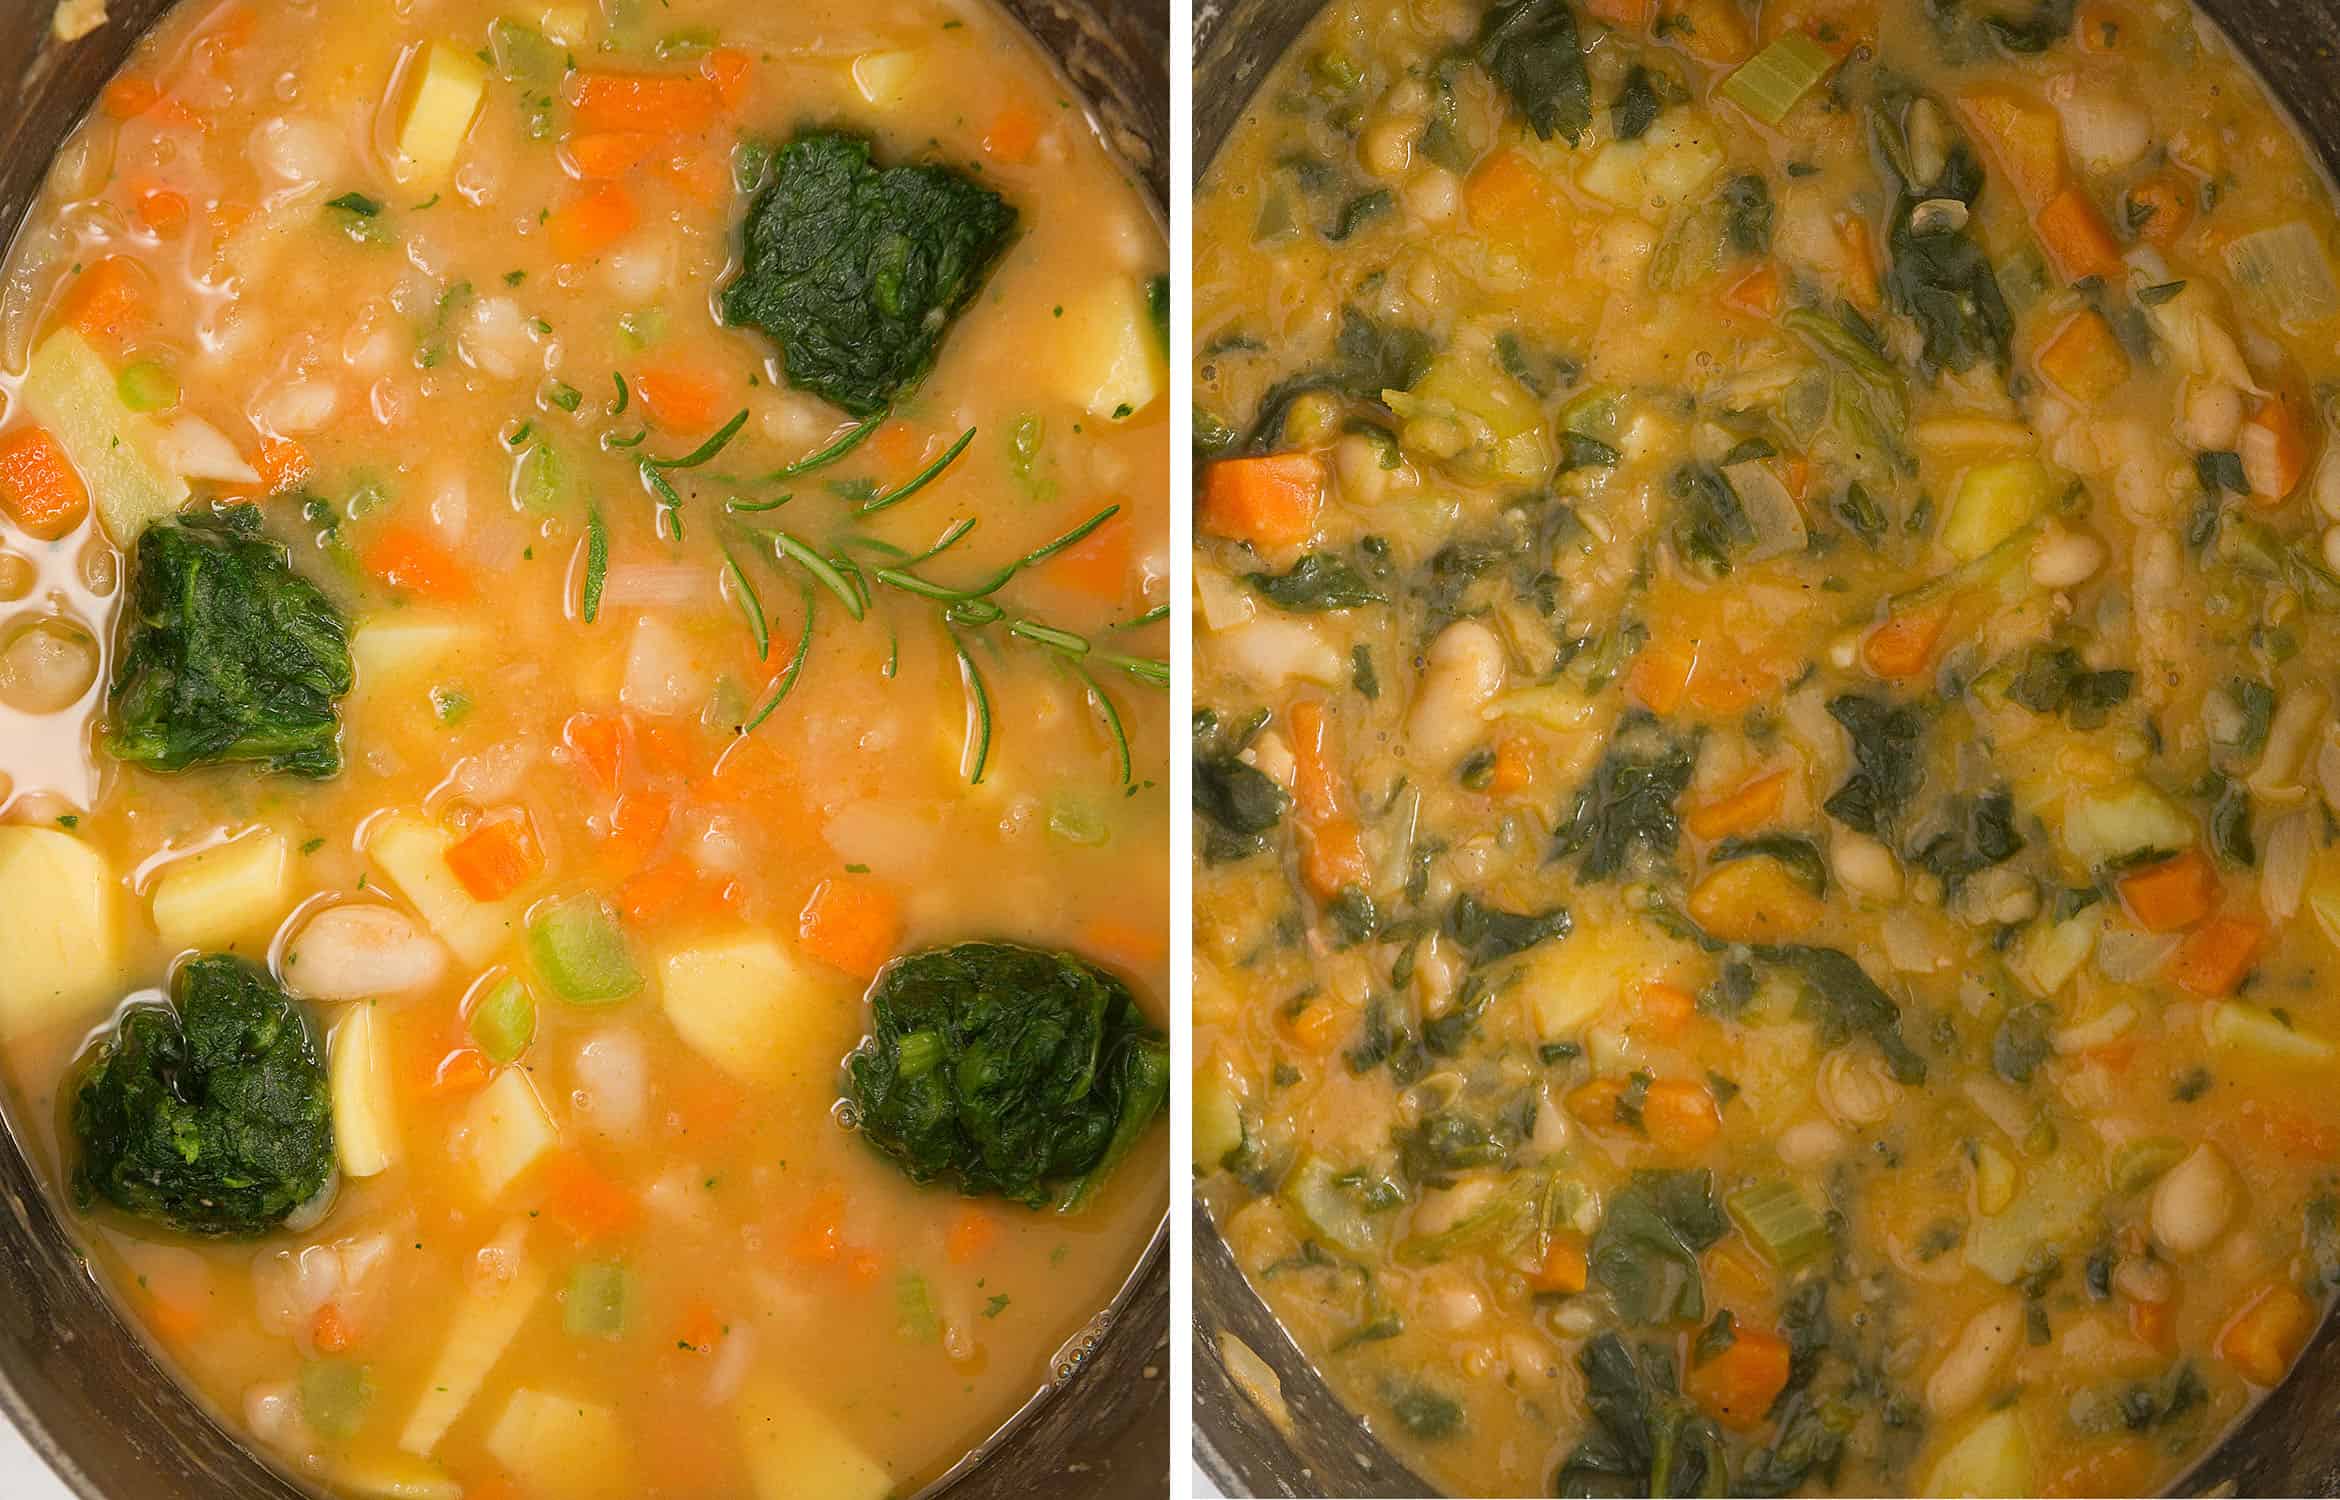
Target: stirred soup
(583, 878)
(1767, 891)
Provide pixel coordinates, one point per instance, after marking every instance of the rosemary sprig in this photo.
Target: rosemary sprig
(1111, 715)
(789, 674)
(853, 438)
(917, 481)
(979, 702)
(749, 604)
(596, 562)
(624, 396)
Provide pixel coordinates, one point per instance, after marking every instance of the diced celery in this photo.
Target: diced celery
(1075, 822)
(1992, 1458)
(69, 390)
(203, 900)
(365, 1122)
(1218, 1120)
(523, 54)
(1784, 1228)
(1332, 1213)
(147, 385)
(504, 1021)
(2138, 1164)
(576, 944)
(1773, 81)
(594, 1304)
(1993, 501)
(333, 1397)
(914, 1315)
(2114, 821)
(540, 478)
(61, 929)
(643, 327)
(484, 1325)
(448, 85)
(2254, 1028)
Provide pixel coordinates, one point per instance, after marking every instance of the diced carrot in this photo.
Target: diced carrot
(1515, 766)
(174, 1320)
(701, 1328)
(1737, 1386)
(588, 1203)
(1269, 502)
(108, 299)
(1316, 778)
(2024, 139)
(2216, 956)
(731, 71)
(664, 104)
(283, 464)
(161, 209)
(819, 1239)
(1013, 133)
(2161, 206)
(1903, 646)
(668, 747)
(972, 1232)
(1595, 1103)
(498, 856)
(1631, 15)
(636, 824)
(461, 1071)
(2079, 244)
(2084, 359)
(128, 97)
(593, 221)
(1565, 1267)
(2262, 1339)
(602, 154)
(410, 560)
(1759, 293)
(2274, 448)
(679, 400)
(1098, 564)
(328, 1331)
(1713, 31)
(1312, 1027)
(664, 889)
(1751, 806)
(1513, 203)
(1726, 684)
(2098, 29)
(1332, 856)
(1864, 285)
(597, 741)
(38, 485)
(898, 445)
(2172, 894)
(851, 922)
(1666, 1009)
(1794, 472)
(1680, 1116)
(2154, 1324)
(1134, 945)
(1659, 678)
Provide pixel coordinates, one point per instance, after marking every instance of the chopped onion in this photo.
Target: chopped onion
(2097, 1030)
(1771, 510)
(2125, 956)
(1225, 603)
(612, 1083)
(663, 672)
(658, 586)
(194, 449)
(2287, 272)
(2283, 868)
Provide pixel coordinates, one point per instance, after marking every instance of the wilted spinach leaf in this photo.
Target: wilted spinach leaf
(1489, 933)
(1886, 770)
(1629, 803)
(1317, 582)
(1529, 47)
(1645, 1254)
(1645, 1438)
(1849, 1003)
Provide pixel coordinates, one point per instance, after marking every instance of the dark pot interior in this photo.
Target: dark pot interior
(85, 1391)
(2286, 1446)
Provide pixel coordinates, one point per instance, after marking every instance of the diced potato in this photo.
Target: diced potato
(70, 390)
(2055, 1202)
(412, 852)
(1569, 985)
(1218, 1119)
(395, 1476)
(2053, 952)
(505, 1131)
(389, 649)
(1992, 1458)
(1671, 161)
(60, 931)
(1995, 1179)
(448, 86)
(2106, 823)
(1993, 501)
(228, 891)
(1109, 360)
(559, 1445)
(794, 1450)
(744, 1004)
(2254, 1028)
(885, 79)
(487, 1320)
(365, 1118)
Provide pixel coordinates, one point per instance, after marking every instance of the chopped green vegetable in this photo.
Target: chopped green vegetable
(503, 1023)
(595, 1304)
(1775, 80)
(577, 945)
(1784, 1229)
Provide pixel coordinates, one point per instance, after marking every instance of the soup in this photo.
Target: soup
(1765, 872)
(581, 721)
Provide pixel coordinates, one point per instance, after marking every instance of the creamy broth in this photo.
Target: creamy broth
(1764, 664)
(629, 806)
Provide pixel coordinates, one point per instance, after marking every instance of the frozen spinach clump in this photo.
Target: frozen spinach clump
(228, 654)
(856, 270)
(211, 1115)
(1008, 1069)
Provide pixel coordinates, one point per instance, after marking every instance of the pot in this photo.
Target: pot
(82, 1386)
(2287, 1445)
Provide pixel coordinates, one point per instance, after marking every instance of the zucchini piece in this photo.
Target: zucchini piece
(70, 390)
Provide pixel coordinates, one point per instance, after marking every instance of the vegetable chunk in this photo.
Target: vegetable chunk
(1007, 1069)
(793, 1450)
(211, 1114)
(738, 1002)
(857, 270)
(60, 926)
(207, 898)
(559, 1445)
(230, 655)
(69, 390)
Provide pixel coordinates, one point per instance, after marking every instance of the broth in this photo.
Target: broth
(1764, 658)
(634, 797)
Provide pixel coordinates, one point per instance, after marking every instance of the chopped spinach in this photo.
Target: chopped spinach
(1636, 107)
(1317, 582)
(1645, 1254)
(1981, 833)
(1645, 1439)
(1530, 49)
(1708, 521)
(1849, 1003)
(2022, 1042)
(1629, 802)
(1797, 854)
(1886, 770)
(1489, 934)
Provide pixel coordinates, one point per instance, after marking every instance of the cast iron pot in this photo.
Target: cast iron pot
(83, 1388)
(2289, 1445)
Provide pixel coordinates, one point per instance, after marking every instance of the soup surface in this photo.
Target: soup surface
(1765, 764)
(549, 553)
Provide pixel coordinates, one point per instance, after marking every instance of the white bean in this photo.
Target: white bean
(1976, 1356)
(2194, 1202)
(1856, 1086)
(1865, 866)
(2066, 559)
(1464, 670)
(1433, 195)
(2212, 415)
(47, 667)
(612, 1083)
(495, 338)
(1810, 1143)
(361, 950)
